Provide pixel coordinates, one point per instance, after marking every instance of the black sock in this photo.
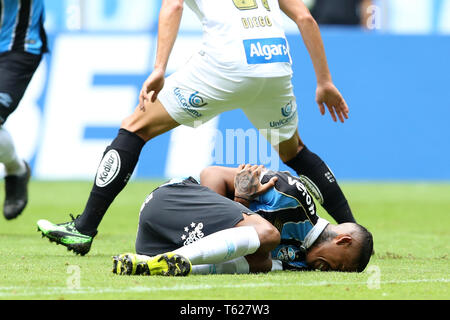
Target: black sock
(116, 168)
(321, 182)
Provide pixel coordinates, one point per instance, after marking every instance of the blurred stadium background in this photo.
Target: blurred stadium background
(393, 71)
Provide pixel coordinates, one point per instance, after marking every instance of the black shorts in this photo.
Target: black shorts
(16, 70)
(180, 213)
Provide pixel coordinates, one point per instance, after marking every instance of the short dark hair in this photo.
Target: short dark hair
(326, 235)
(366, 249)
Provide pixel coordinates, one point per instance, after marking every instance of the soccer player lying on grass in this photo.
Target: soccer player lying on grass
(185, 227)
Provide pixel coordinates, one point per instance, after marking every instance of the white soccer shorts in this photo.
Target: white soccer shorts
(198, 92)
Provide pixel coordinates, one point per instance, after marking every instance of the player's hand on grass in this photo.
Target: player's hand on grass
(327, 95)
(247, 185)
(151, 87)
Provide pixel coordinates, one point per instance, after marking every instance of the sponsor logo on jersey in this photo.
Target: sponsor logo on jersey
(189, 104)
(192, 233)
(109, 168)
(267, 50)
(5, 99)
(302, 188)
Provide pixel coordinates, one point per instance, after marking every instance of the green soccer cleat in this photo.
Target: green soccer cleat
(166, 264)
(67, 235)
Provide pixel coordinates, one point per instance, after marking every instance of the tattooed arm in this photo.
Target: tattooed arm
(224, 180)
(247, 185)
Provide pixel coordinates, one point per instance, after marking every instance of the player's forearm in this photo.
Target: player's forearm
(299, 13)
(219, 179)
(168, 26)
(314, 44)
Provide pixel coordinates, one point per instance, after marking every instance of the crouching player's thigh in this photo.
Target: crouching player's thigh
(181, 212)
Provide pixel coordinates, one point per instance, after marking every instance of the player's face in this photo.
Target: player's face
(333, 256)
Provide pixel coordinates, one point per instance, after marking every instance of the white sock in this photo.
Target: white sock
(8, 156)
(277, 265)
(222, 246)
(235, 266)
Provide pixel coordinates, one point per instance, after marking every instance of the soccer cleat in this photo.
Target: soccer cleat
(117, 265)
(16, 194)
(166, 264)
(67, 235)
(130, 264)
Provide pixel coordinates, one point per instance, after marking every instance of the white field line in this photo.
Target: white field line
(27, 291)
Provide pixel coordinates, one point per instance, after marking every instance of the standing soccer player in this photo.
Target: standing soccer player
(22, 43)
(244, 63)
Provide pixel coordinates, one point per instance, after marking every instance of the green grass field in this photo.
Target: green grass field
(410, 224)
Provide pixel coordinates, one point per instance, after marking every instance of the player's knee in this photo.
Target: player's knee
(269, 236)
(129, 124)
(133, 124)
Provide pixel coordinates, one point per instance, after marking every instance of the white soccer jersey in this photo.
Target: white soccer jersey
(245, 37)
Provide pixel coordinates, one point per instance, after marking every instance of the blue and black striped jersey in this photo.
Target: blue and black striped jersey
(291, 209)
(22, 26)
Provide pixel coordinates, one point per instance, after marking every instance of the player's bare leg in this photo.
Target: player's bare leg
(149, 121)
(288, 149)
(115, 169)
(317, 177)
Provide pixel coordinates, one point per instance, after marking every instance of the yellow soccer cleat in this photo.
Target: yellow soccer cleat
(166, 264)
(118, 266)
(169, 264)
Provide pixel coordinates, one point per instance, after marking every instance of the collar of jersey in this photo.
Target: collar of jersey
(315, 232)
